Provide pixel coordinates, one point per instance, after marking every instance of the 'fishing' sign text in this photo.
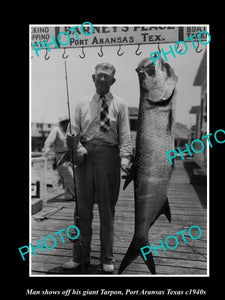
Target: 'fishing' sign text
(40, 45)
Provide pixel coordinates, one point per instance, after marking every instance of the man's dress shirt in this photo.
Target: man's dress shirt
(86, 120)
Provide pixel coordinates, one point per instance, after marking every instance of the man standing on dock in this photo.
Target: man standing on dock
(56, 140)
(103, 122)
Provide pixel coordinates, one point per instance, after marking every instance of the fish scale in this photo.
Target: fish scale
(151, 170)
(154, 169)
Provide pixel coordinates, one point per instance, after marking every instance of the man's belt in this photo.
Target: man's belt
(61, 152)
(98, 143)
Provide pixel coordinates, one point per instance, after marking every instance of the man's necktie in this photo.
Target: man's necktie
(104, 120)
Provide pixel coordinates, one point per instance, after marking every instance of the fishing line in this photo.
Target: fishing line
(193, 249)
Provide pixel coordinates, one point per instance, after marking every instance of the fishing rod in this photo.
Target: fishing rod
(76, 216)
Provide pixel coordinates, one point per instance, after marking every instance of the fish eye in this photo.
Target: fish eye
(150, 70)
(142, 75)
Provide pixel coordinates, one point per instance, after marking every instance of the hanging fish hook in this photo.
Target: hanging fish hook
(101, 53)
(82, 53)
(46, 54)
(196, 49)
(63, 55)
(178, 47)
(136, 52)
(120, 54)
(159, 48)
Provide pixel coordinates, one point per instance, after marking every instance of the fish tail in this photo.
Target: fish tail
(166, 210)
(150, 263)
(133, 252)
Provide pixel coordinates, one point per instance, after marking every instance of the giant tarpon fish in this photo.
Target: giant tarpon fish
(151, 169)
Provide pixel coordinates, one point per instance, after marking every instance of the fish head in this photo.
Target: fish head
(157, 81)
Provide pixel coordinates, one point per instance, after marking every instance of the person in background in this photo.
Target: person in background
(103, 122)
(56, 141)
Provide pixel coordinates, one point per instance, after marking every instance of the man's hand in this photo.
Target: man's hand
(125, 168)
(72, 141)
(45, 153)
(125, 164)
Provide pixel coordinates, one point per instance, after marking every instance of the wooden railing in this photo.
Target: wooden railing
(43, 176)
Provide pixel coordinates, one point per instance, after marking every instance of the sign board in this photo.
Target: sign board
(194, 30)
(118, 35)
(41, 33)
(97, 36)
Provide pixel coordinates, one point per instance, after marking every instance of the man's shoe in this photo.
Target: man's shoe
(71, 265)
(108, 268)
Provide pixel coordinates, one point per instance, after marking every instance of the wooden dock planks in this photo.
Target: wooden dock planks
(187, 259)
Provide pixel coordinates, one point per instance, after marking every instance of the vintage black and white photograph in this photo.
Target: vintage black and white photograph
(119, 148)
